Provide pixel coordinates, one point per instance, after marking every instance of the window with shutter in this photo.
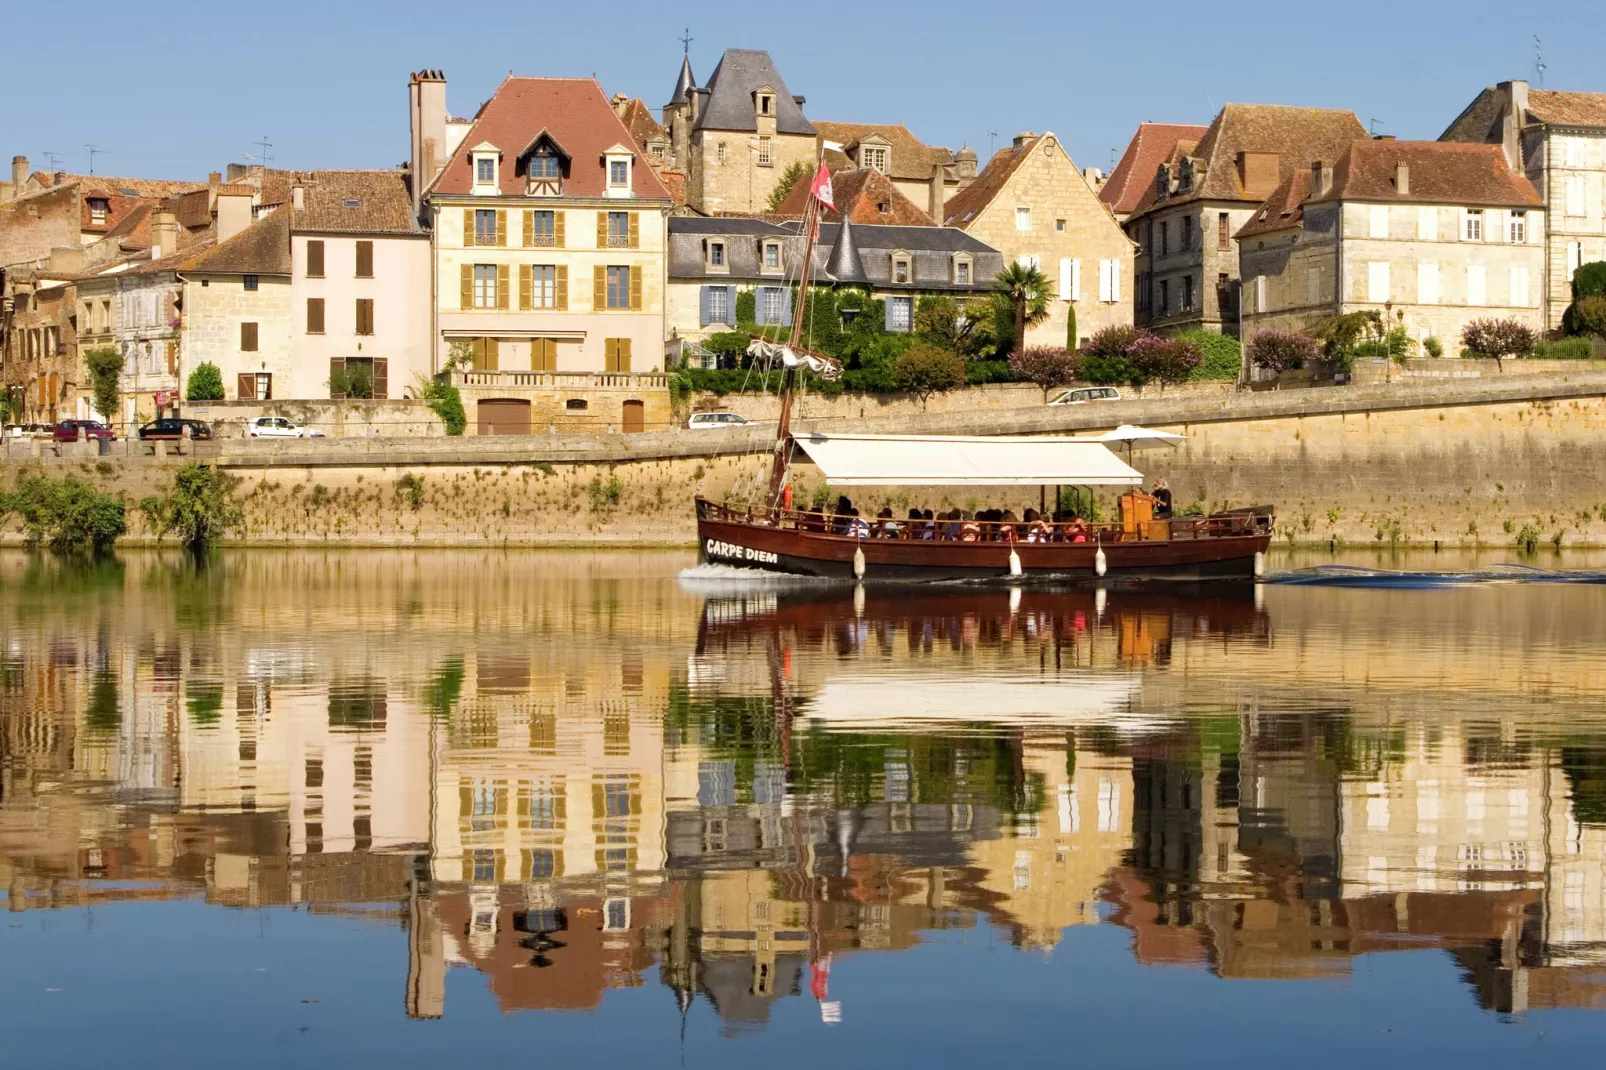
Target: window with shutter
(560, 288)
(1104, 280)
(365, 260)
(1519, 286)
(248, 338)
(559, 220)
(504, 285)
(1377, 281)
(365, 315)
(1223, 231)
(466, 298)
(314, 259)
(635, 230)
(602, 229)
(337, 375)
(470, 227)
(635, 289)
(529, 229)
(245, 386)
(1065, 279)
(501, 226)
(524, 287)
(314, 315)
(381, 377)
(1427, 283)
(543, 355)
(1477, 285)
(599, 288)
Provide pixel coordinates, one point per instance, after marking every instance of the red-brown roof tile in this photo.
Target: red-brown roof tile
(1147, 150)
(263, 248)
(1440, 172)
(1567, 109)
(864, 196)
(968, 203)
(573, 111)
(354, 202)
(910, 158)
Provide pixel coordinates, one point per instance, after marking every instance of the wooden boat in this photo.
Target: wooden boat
(775, 538)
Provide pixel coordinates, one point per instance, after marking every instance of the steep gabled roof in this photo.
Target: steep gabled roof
(1147, 150)
(864, 196)
(911, 159)
(1283, 209)
(383, 203)
(1562, 108)
(968, 203)
(263, 248)
(1296, 135)
(730, 90)
(1440, 172)
(642, 126)
(577, 114)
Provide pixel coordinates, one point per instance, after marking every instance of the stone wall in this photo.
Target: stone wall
(213, 313)
(1454, 462)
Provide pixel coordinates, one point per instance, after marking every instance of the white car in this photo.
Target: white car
(1083, 394)
(709, 421)
(279, 427)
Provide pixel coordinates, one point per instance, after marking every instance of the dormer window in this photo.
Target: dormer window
(618, 161)
(772, 256)
(716, 260)
(764, 102)
(99, 208)
(1185, 176)
(485, 159)
(962, 269)
(902, 268)
(543, 163)
(875, 157)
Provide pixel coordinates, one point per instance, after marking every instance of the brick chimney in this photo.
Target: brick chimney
(936, 195)
(426, 108)
(19, 178)
(1022, 139)
(164, 234)
(1257, 172)
(1513, 97)
(1402, 178)
(233, 210)
(1320, 178)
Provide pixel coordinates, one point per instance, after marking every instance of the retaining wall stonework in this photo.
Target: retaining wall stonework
(1455, 462)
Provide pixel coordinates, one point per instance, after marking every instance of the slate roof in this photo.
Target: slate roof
(969, 202)
(384, 203)
(577, 115)
(743, 239)
(685, 82)
(1297, 135)
(730, 91)
(1147, 150)
(263, 248)
(864, 196)
(911, 159)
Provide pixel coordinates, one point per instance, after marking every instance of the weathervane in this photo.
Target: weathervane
(1539, 60)
(687, 40)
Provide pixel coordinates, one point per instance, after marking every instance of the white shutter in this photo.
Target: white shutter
(1104, 280)
(1575, 251)
(1260, 293)
(1115, 280)
(1076, 279)
(1427, 224)
(1477, 285)
(1427, 284)
(1379, 227)
(1519, 286)
(1575, 195)
(1377, 281)
(1065, 293)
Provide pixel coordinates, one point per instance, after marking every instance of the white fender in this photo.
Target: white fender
(1101, 564)
(858, 562)
(1260, 563)
(1014, 562)
(1100, 598)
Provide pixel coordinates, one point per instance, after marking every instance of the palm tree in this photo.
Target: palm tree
(1028, 292)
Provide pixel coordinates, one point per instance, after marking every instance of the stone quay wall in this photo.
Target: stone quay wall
(1458, 462)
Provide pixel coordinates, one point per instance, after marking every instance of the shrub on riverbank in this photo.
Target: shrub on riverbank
(200, 509)
(66, 515)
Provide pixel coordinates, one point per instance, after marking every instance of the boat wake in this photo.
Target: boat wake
(722, 579)
(1355, 576)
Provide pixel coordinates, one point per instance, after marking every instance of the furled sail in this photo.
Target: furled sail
(818, 363)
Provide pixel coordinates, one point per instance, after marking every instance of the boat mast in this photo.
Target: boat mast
(783, 430)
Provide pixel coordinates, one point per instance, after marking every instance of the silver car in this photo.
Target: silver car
(279, 427)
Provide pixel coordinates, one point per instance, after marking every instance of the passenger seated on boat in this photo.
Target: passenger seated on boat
(950, 530)
(916, 520)
(845, 512)
(858, 527)
(1010, 527)
(1037, 529)
(886, 527)
(928, 530)
(969, 529)
(1076, 531)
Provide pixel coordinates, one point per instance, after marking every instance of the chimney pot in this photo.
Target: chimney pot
(215, 178)
(58, 178)
(19, 172)
(1402, 179)
(1023, 138)
(298, 197)
(1318, 178)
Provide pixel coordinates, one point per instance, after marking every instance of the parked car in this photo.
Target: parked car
(279, 427)
(170, 429)
(73, 430)
(709, 421)
(1083, 394)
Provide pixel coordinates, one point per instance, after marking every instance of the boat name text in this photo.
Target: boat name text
(715, 548)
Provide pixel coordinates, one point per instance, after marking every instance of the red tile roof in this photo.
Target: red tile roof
(968, 203)
(1284, 208)
(910, 158)
(643, 127)
(263, 248)
(864, 196)
(1147, 150)
(1567, 109)
(574, 112)
(354, 202)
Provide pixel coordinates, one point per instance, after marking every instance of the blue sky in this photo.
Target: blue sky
(174, 93)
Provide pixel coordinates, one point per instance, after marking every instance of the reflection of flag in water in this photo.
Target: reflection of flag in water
(819, 982)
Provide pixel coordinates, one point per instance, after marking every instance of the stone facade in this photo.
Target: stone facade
(1188, 266)
(1558, 139)
(217, 310)
(148, 334)
(40, 358)
(727, 175)
(1036, 207)
(526, 402)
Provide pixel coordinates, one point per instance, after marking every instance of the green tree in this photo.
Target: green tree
(924, 370)
(954, 326)
(1072, 343)
(104, 367)
(1164, 360)
(789, 177)
(205, 383)
(1280, 351)
(1027, 292)
(1589, 313)
(1498, 338)
(65, 514)
(199, 510)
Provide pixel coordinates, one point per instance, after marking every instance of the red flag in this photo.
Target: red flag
(821, 188)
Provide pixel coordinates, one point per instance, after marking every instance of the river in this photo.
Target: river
(401, 808)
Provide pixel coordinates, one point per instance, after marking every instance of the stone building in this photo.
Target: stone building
(928, 175)
(1432, 235)
(863, 195)
(736, 136)
(39, 359)
(1558, 140)
(548, 252)
(41, 211)
(712, 262)
(1202, 193)
(1153, 144)
(1034, 206)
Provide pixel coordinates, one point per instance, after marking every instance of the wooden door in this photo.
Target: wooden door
(635, 417)
(503, 416)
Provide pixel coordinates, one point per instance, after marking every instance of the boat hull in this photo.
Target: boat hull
(806, 553)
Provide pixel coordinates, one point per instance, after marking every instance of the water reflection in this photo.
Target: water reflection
(571, 774)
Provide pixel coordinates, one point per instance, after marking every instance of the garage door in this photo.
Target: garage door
(503, 416)
(635, 416)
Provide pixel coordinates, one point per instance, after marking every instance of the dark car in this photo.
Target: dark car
(170, 429)
(73, 430)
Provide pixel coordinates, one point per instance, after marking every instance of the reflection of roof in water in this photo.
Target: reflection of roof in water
(891, 701)
(729, 980)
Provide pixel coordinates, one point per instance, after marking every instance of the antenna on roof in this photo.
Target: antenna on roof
(1539, 61)
(687, 40)
(264, 157)
(54, 160)
(992, 142)
(1373, 124)
(93, 152)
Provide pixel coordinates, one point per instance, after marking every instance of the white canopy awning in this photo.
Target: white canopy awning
(939, 461)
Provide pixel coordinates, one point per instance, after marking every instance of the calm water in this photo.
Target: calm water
(394, 809)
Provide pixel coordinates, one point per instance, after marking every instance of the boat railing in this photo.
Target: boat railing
(1237, 522)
